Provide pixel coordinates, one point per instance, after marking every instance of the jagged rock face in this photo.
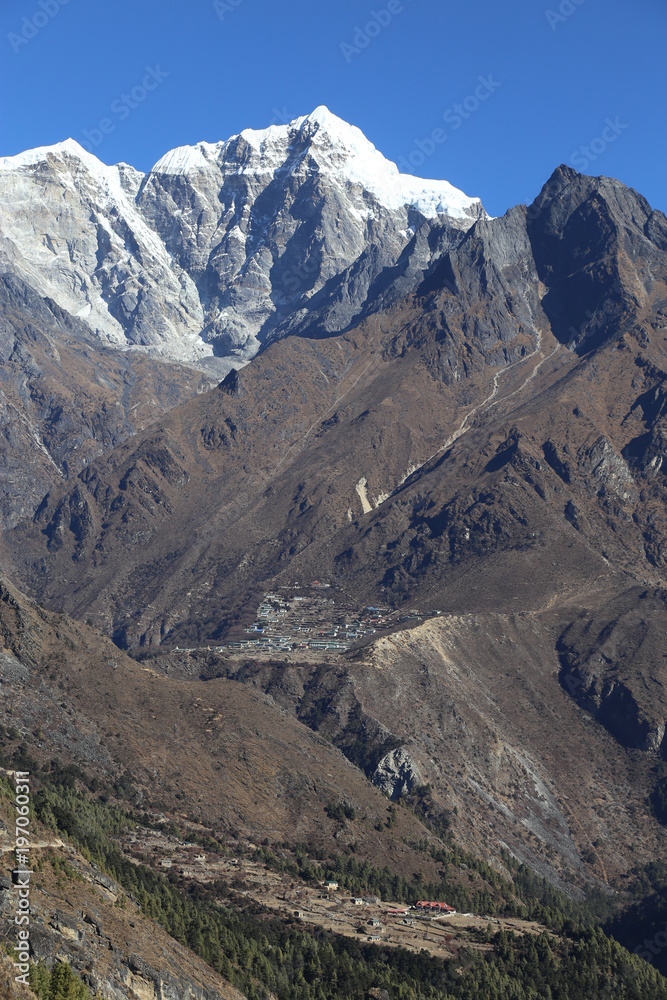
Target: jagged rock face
(614, 665)
(71, 230)
(494, 264)
(584, 250)
(223, 246)
(397, 774)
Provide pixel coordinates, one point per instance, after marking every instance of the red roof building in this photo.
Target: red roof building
(435, 907)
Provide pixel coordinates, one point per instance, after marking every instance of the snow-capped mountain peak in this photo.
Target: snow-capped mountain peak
(364, 165)
(223, 246)
(70, 157)
(323, 125)
(184, 160)
(321, 122)
(31, 157)
(341, 150)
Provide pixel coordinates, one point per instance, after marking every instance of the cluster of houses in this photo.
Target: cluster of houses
(293, 622)
(285, 622)
(423, 909)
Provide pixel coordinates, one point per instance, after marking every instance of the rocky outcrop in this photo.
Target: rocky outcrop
(607, 471)
(397, 774)
(584, 232)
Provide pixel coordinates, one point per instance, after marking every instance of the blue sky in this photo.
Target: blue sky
(574, 81)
